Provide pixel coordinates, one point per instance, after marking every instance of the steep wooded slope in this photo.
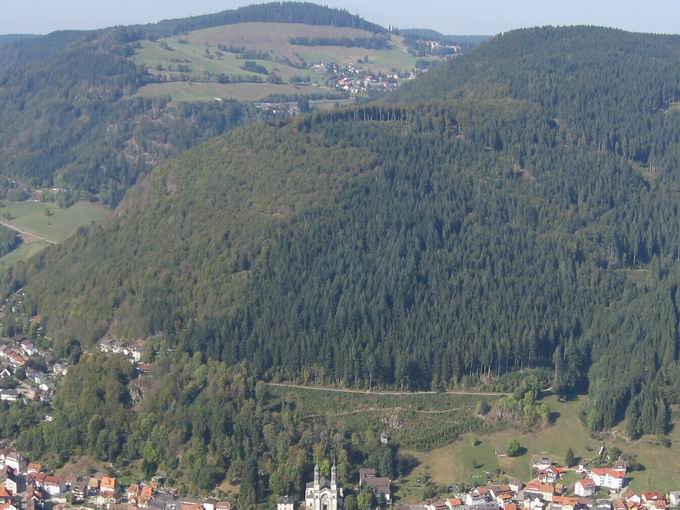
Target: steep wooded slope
(503, 223)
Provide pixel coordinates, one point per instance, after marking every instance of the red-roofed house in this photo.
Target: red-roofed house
(606, 477)
(108, 485)
(651, 496)
(454, 503)
(145, 496)
(33, 468)
(53, 485)
(549, 475)
(132, 493)
(565, 502)
(543, 490)
(585, 488)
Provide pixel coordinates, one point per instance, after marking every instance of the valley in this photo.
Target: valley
(256, 258)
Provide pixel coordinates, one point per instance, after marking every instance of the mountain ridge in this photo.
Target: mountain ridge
(481, 224)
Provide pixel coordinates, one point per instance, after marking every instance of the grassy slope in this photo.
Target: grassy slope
(258, 37)
(63, 223)
(31, 217)
(434, 417)
(463, 462)
(23, 252)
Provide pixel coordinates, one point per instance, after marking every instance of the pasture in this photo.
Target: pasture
(469, 461)
(198, 59)
(43, 223)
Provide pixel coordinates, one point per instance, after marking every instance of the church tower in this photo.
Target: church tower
(323, 494)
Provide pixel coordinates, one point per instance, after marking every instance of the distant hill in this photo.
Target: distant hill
(279, 12)
(212, 60)
(76, 112)
(426, 33)
(10, 38)
(515, 208)
(273, 12)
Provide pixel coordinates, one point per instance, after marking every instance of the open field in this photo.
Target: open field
(22, 252)
(203, 65)
(38, 229)
(202, 61)
(462, 461)
(56, 227)
(188, 91)
(273, 38)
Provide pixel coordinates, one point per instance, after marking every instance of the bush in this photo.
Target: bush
(514, 448)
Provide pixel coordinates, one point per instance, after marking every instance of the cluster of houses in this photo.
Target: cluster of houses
(545, 492)
(355, 81)
(33, 371)
(27, 486)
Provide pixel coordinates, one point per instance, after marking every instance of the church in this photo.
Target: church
(321, 494)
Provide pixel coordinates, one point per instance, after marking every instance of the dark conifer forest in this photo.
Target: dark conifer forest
(515, 208)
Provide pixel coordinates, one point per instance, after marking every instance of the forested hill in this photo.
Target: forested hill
(25, 48)
(70, 116)
(276, 12)
(517, 208)
(10, 38)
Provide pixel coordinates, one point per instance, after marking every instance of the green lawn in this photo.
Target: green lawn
(462, 462)
(56, 227)
(44, 229)
(23, 252)
(202, 66)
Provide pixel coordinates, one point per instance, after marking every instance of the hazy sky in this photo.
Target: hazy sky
(449, 16)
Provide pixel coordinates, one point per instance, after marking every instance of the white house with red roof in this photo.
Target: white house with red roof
(585, 488)
(609, 478)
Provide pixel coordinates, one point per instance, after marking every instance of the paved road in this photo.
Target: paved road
(397, 393)
(26, 233)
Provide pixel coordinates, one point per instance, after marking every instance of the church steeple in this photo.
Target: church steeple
(334, 483)
(317, 482)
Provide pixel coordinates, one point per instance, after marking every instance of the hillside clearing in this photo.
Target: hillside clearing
(190, 64)
(42, 223)
(419, 420)
(463, 462)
